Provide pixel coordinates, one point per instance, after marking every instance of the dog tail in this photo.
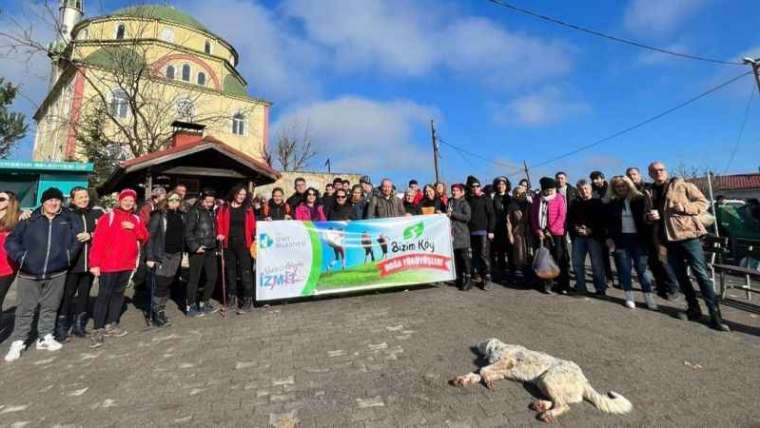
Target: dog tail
(612, 402)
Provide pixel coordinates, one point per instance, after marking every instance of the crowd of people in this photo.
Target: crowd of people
(55, 253)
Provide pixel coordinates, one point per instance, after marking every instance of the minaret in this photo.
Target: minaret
(70, 12)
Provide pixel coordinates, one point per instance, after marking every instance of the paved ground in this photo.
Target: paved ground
(382, 360)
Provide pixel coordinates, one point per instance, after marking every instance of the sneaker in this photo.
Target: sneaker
(630, 304)
(208, 308)
(649, 299)
(48, 343)
(14, 353)
(113, 330)
(194, 312)
(97, 338)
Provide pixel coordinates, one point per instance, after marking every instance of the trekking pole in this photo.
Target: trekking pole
(224, 282)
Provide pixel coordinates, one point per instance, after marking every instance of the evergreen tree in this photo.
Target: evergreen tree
(12, 126)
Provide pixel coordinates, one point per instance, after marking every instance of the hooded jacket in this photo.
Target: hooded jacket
(115, 249)
(43, 247)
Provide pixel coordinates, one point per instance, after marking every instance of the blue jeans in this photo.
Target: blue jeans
(581, 247)
(629, 253)
(689, 253)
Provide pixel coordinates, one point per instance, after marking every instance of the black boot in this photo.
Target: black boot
(246, 306)
(716, 321)
(80, 323)
(232, 304)
(158, 318)
(62, 327)
(466, 283)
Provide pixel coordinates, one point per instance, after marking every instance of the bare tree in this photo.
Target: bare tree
(294, 150)
(133, 102)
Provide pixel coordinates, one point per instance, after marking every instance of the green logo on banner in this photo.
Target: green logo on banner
(414, 231)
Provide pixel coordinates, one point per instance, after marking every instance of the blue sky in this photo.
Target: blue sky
(367, 77)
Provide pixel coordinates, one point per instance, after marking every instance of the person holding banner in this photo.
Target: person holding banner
(459, 212)
(236, 228)
(309, 210)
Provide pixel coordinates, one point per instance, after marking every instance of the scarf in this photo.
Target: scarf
(543, 212)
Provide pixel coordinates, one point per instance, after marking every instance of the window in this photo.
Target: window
(207, 47)
(121, 31)
(170, 72)
(202, 79)
(119, 104)
(186, 72)
(167, 35)
(185, 109)
(238, 124)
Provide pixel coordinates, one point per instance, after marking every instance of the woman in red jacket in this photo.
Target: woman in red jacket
(113, 256)
(236, 226)
(9, 213)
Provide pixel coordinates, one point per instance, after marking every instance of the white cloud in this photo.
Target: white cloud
(404, 38)
(548, 105)
(276, 62)
(658, 17)
(362, 135)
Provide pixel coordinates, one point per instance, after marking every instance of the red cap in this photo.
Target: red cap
(127, 192)
(458, 185)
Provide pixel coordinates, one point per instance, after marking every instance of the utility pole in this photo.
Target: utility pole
(435, 150)
(755, 64)
(527, 174)
(329, 166)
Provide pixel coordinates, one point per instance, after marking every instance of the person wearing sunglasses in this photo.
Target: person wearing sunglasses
(9, 213)
(164, 252)
(310, 210)
(342, 210)
(236, 228)
(482, 222)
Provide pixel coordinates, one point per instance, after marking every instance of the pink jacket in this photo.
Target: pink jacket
(556, 213)
(304, 213)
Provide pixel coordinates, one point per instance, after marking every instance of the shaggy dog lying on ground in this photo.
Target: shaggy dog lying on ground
(561, 381)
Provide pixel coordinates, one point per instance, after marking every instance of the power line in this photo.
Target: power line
(610, 37)
(473, 154)
(644, 122)
(741, 130)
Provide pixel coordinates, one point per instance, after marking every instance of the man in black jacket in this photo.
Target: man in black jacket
(481, 230)
(43, 247)
(200, 239)
(299, 196)
(501, 201)
(341, 210)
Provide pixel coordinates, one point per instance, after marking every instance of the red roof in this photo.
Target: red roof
(188, 147)
(731, 182)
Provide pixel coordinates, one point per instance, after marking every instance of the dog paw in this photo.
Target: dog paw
(547, 417)
(457, 381)
(539, 406)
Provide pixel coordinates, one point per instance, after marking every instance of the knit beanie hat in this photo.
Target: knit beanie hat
(127, 192)
(548, 183)
(51, 193)
(471, 179)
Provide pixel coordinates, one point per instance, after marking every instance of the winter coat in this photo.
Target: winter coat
(7, 266)
(86, 221)
(460, 217)
(680, 209)
(43, 247)
(223, 225)
(272, 211)
(295, 199)
(556, 215)
(614, 220)
(482, 215)
(115, 249)
(155, 250)
(360, 209)
(500, 212)
(303, 213)
(571, 195)
(200, 229)
(590, 213)
(341, 212)
(381, 206)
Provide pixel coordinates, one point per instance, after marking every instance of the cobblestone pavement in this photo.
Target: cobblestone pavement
(383, 359)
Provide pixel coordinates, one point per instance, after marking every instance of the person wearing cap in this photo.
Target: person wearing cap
(113, 257)
(43, 247)
(459, 212)
(501, 202)
(547, 221)
(482, 223)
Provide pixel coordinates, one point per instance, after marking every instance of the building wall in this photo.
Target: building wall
(214, 106)
(318, 180)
